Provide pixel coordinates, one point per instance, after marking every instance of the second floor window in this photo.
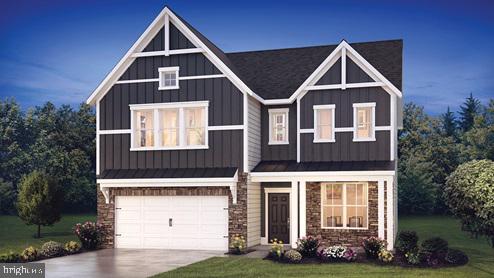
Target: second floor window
(278, 126)
(324, 123)
(168, 78)
(169, 126)
(364, 121)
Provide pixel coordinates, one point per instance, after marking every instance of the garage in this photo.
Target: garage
(171, 222)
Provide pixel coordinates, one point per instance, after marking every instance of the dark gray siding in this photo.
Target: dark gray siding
(354, 74)
(177, 40)
(332, 76)
(263, 200)
(279, 152)
(344, 149)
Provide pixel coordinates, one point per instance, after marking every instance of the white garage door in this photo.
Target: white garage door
(172, 222)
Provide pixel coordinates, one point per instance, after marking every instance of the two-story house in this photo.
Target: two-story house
(195, 145)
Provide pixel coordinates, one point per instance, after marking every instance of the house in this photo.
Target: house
(195, 145)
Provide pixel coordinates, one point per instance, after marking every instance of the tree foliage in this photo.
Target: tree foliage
(40, 200)
(468, 112)
(469, 193)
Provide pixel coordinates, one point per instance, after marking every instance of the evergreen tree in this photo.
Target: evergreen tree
(468, 111)
(448, 121)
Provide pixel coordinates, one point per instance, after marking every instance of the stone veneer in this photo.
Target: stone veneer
(346, 237)
(237, 222)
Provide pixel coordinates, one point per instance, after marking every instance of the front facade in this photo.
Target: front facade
(195, 145)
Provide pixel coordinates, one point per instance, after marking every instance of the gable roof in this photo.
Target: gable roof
(277, 73)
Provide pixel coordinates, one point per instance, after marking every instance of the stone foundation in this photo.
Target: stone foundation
(237, 222)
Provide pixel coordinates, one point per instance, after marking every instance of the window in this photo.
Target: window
(168, 78)
(170, 126)
(278, 126)
(344, 205)
(364, 121)
(324, 123)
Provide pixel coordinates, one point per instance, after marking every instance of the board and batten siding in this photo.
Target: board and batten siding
(253, 213)
(254, 132)
(177, 40)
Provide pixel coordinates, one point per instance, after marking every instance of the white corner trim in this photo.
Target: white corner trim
(286, 111)
(294, 214)
(380, 208)
(303, 208)
(97, 137)
(245, 133)
(390, 215)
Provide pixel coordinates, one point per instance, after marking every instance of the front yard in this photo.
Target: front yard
(481, 262)
(15, 235)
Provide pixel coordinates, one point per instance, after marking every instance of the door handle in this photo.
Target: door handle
(288, 220)
(170, 222)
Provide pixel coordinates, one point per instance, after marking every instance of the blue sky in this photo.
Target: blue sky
(59, 51)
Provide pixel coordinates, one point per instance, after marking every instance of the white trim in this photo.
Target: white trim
(303, 208)
(372, 105)
(268, 190)
(365, 85)
(170, 52)
(167, 34)
(137, 81)
(324, 87)
(245, 134)
(298, 130)
(347, 129)
(294, 214)
(389, 214)
(346, 86)
(225, 127)
(114, 131)
(314, 176)
(286, 111)
(184, 104)
(343, 129)
(332, 108)
(191, 77)
(380, 208)
(202, 76)
(392, 135)
(97, 137)
(164, 70)
(307, 130)
(343, 69)
(383, 128)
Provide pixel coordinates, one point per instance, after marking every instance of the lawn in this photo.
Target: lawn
(15, 235)
(481, 259)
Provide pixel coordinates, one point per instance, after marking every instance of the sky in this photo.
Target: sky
(59, 50)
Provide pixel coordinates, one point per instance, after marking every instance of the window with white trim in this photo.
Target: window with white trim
(278, 126)
(364, 123)
(324, 123)
(168, 78)
(344, 205)
(170, 126)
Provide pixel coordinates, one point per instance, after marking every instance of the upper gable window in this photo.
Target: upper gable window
(324, 123)
(168, 126)
(278, 126)
(364, 122)
(168, 78)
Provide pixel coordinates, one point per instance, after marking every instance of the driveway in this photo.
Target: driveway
(133, 263)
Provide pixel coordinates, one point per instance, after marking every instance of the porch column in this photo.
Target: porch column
(303, 209)
(389, 213)
(294, 214)
(380, 208)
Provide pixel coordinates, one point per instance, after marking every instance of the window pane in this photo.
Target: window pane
(169, 127)
(364, 122)
(351, 194)
(278, 127)
(144, 127)
(325, 132)
(324, 124)
(361, 196)
(324, 117)
(194, 126)
(169, 79)
(332, 216)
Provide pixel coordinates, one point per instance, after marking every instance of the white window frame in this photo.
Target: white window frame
(273, 112)
(161, 79)
(372, 137)
(180, 106)
(344, 205)
(332, 108)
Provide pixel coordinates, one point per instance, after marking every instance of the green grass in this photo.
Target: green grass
(481, 259)
(15, 235)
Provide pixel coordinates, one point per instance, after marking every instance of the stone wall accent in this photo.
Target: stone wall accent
(346, 237)
(237, 222)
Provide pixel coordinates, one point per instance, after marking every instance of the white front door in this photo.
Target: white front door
(172, 222)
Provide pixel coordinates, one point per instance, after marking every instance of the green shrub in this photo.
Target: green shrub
(333, 253)
(237, 244)
(385, 256)
(52, 249)
(407, 241)
(10, 257)
(30, 254)
(469, 193)
(413, 257)
(90, 234)
(307, 246)
(276, 251)
(372, 246)
(435, 245)
(456, 257)
(293, 256)
(72, 247)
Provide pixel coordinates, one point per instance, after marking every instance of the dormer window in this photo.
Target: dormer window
(278, 126)
(168, 78)
(364, 122)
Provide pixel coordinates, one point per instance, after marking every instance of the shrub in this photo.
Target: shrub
(30, 254)
(276, 251)
(237, 244)
(456, 257)
(350, 255)
(372, 246)
(293, 256)
(385, 256)
(10, 257)
(435, 246)
(469, 193)
(407, 241)
(52, 249)
(332, 253)
(307, 246)
(72, 247)
(413, 257)
(90, 234)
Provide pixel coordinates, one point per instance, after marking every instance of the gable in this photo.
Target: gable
(177, 40)
(332, 76)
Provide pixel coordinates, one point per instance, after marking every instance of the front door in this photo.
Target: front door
(279, 216)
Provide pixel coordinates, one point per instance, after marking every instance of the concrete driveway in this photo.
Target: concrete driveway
(123, 262)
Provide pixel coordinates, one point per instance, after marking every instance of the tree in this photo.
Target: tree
(478, 142)
(468, 111)
(40, 200)
(448, 121)
(469, 193)
(7, 197)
